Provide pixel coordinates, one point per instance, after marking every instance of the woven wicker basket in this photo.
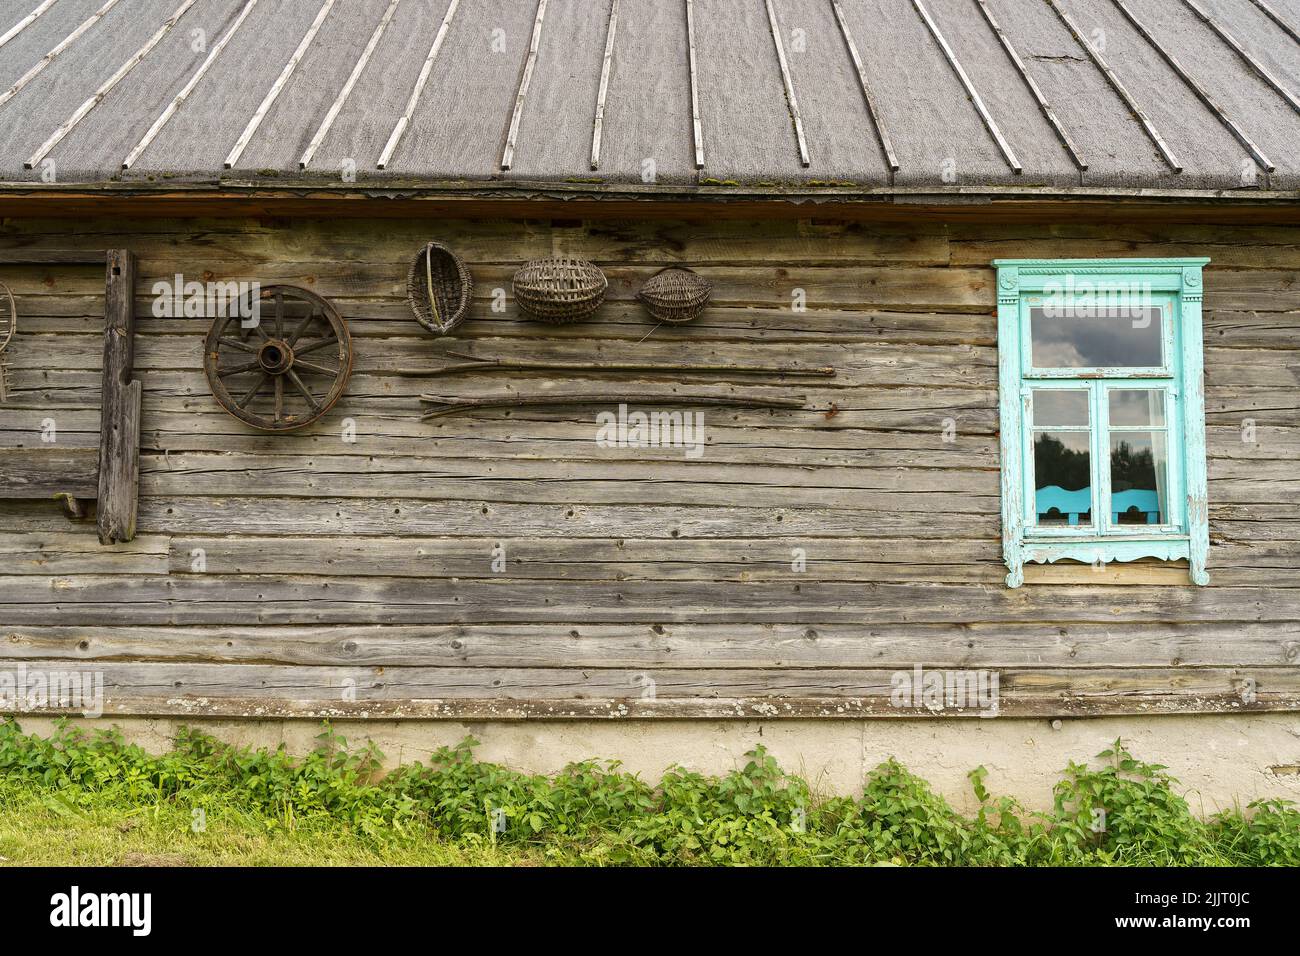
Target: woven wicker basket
(560, 290)
(675, 295)
(439, 287)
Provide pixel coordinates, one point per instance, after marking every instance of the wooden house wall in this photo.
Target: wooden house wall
(355, 577)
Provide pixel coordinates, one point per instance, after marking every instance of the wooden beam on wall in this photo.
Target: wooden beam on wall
(119, 431)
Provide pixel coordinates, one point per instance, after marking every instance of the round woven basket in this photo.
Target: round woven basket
(675, 295)
(559, 290)
(439, 287)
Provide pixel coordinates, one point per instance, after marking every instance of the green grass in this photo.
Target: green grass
(76, 800)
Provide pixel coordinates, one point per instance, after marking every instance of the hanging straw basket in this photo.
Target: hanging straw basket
(560, 290)
(675, 295)
(439, 288)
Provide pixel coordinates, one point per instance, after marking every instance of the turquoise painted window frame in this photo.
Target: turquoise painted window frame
(1177, 286)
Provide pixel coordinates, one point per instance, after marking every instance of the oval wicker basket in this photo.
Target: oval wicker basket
(675, 295)
(439, 287)
(560, 290)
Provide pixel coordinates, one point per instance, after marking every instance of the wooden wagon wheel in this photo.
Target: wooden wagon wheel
(8, 315)
(285, 371)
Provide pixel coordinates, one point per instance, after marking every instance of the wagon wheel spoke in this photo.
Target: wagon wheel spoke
(318, 369)
(236, 369)
(279, 315)
(313, 346)
(279, 398)
(248, 395)
(236, 344)
(302, 326)
(306, 392)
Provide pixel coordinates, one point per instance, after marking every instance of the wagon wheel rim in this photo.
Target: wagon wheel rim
(8, 315)
(286, 370)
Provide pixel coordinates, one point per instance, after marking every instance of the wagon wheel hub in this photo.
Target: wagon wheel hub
(275, 357)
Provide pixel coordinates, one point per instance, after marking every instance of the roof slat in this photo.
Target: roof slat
(1034, 89)
(1276, 17)
(974, 95)
(886, 144)
(786, 80)
(1241, 51)
(400, 128)
(508, 154)
(25, 22)
(1201, 93)
(187, 89)
(1095, 55)
(54, 54)
(344, 93)
(599, 121)
(278, 86)
(697, 126)
(98, 96)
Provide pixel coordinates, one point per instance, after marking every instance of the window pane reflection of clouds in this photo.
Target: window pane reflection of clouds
(1137, 406)
(1139, 469)
(1118, 338)
(1060, 407)
(1062, 478)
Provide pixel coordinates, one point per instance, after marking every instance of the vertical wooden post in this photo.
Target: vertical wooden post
(119, 427)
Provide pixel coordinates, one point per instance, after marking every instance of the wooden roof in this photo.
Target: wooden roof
(1107, 95)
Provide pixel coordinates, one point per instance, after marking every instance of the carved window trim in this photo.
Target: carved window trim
(1179, 281)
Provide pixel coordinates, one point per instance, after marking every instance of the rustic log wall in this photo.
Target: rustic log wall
(355, 577)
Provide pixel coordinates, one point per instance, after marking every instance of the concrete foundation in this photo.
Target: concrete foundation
(1219, 760)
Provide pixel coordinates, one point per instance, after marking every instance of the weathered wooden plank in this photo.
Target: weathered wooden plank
(589, 559)
(388, 516)
(615, 481)
(119, 447)
(219, 599)
(49, 471)
(759, 283)
(685, 708)
(820, 645)
(252, 689)
(383, 318)
(159, 244)
(73, 553)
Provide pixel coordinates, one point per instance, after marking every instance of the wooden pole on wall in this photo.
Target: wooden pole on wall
(119, 429)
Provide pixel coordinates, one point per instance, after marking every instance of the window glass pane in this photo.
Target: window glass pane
(1060, 406)
(1137, 406)
(1139, 478)
(1092, 337)
(1062, 478)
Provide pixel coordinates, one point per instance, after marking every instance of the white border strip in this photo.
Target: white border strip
(396, 136)
(508, 155)
(25, 22)
(344, 93)
(599, 123)
(98, 96)
(186, 90)
(50, 57)
(278, 86)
